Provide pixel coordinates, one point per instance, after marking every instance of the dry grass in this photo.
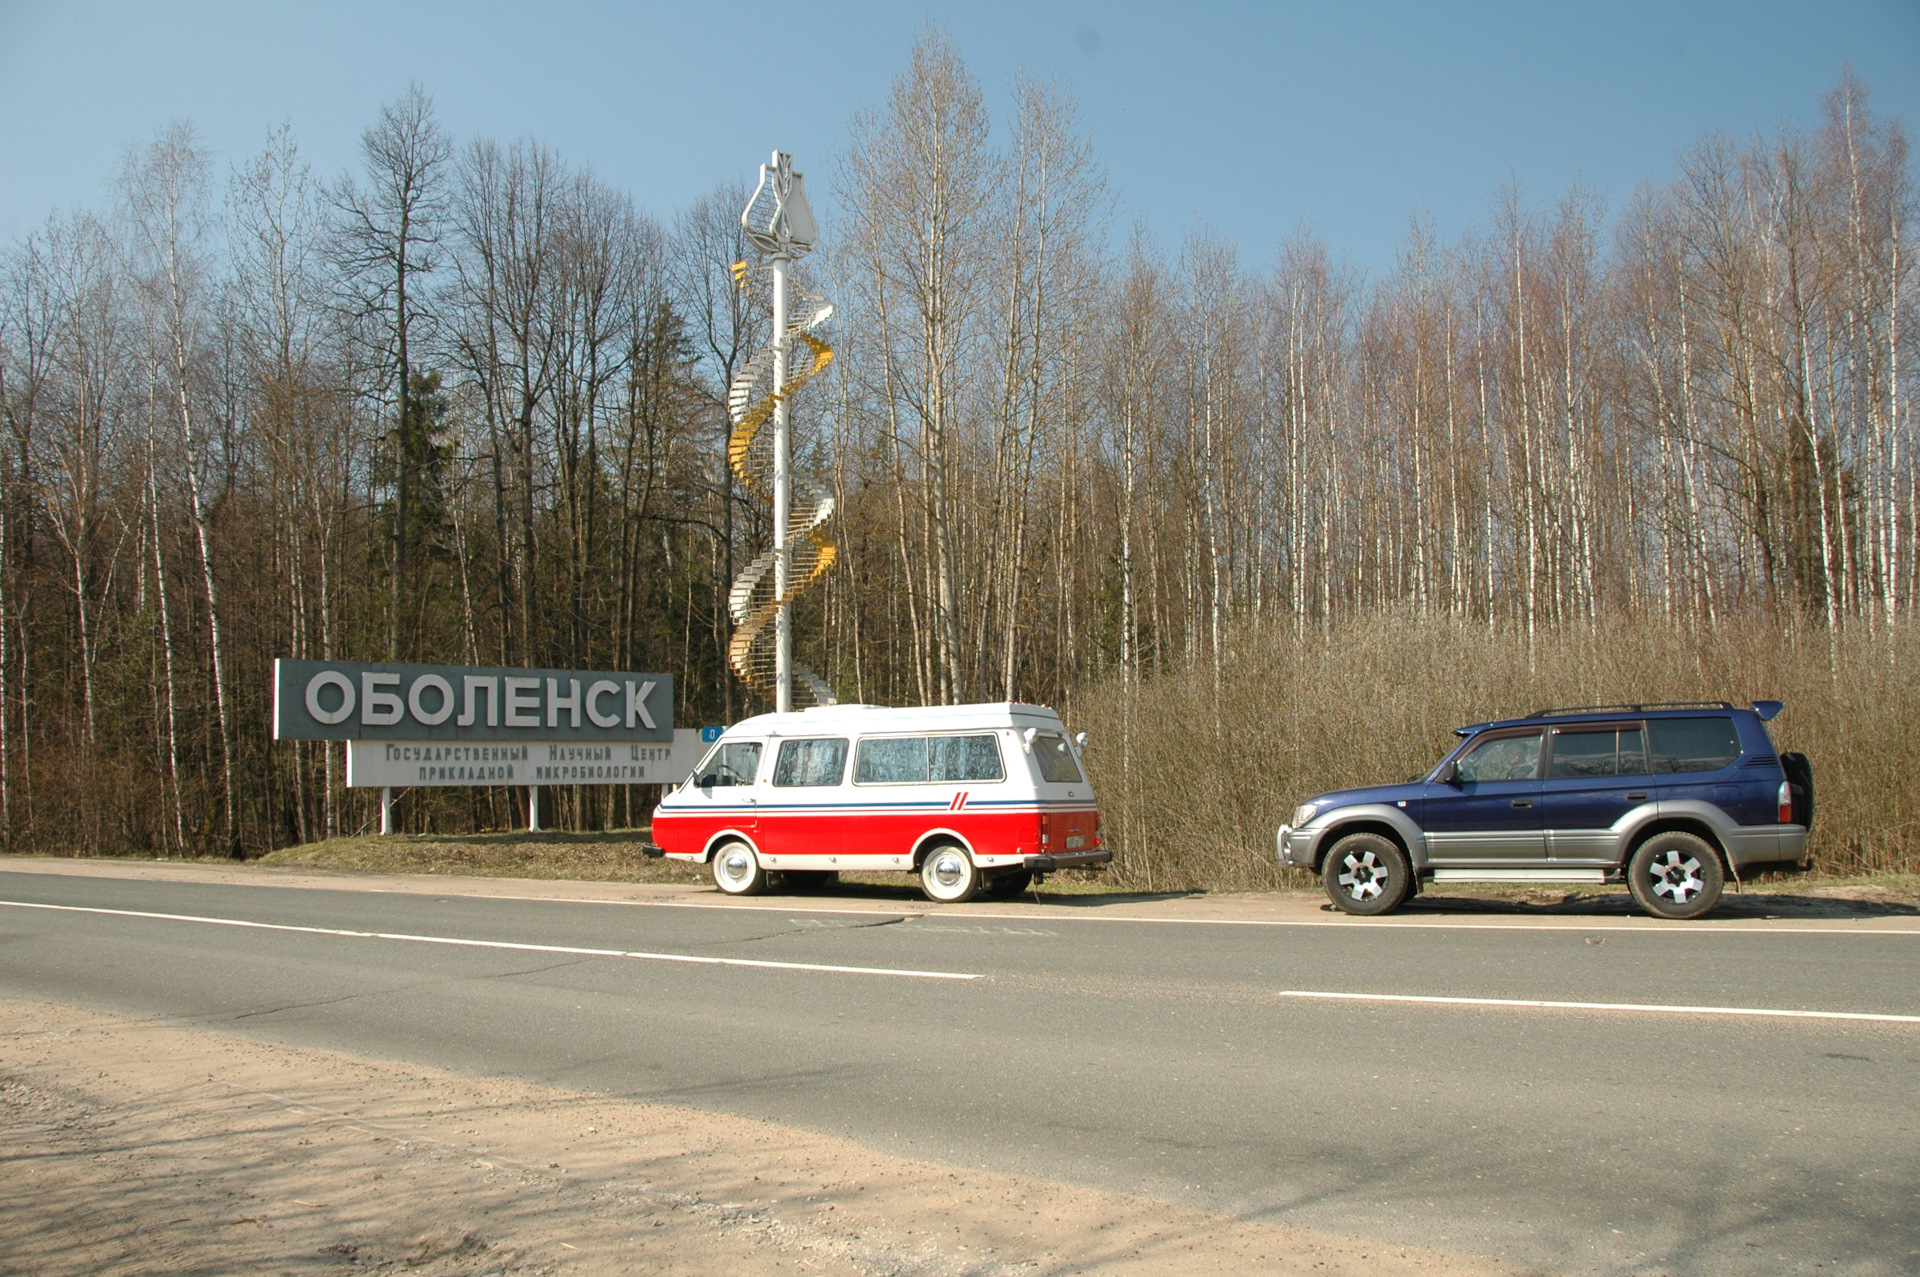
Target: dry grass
(1193, 781)
(596, 857)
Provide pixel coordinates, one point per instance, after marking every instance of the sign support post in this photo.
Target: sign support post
(386, 809)
(533, 809)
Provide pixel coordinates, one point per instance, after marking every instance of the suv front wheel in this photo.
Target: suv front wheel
(1367, 874)
(1675, 875)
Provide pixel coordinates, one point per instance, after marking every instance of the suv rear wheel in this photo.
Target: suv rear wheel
(1675, 875)
(1366, 874)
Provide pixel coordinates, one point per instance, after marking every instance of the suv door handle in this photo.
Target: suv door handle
(1523, 802)
(1637, 797)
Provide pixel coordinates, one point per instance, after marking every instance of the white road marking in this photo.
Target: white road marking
(1600, 1006)
(698, 959)
(1609, 923)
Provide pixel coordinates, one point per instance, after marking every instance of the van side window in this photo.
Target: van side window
(953, 758)
(1057, 767)
(731, 763)
(899, 760)
(1693, 744)
(919, 760)
(810, 762)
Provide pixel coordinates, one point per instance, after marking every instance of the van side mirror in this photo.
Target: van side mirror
(1080, 742)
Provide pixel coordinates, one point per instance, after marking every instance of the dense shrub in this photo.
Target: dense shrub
(1194, 776)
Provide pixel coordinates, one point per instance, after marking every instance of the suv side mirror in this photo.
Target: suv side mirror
(1449, 775)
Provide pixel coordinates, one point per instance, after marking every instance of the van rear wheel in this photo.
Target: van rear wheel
(948, 875)
(737, 870)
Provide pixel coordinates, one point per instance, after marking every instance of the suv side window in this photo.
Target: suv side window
(1607, 752)
(1502, 758)
(1693, 744)
(810, 762)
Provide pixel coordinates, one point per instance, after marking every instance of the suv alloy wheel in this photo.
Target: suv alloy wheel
(1675, 875)
(1366, 874)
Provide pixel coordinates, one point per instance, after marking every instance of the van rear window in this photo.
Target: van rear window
(920, 760)
(1055, 757)
(1693, 744)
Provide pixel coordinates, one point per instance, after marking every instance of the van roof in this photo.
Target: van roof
(871, 718)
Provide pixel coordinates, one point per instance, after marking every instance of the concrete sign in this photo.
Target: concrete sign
(382, 764)
(351, 700)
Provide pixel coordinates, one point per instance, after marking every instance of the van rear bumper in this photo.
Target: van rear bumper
(1048, 863)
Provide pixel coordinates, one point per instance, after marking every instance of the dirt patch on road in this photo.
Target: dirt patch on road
(131, 1147)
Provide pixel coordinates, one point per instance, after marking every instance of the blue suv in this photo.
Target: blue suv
(1671, 798)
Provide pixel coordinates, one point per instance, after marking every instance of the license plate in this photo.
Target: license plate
(1075, 841)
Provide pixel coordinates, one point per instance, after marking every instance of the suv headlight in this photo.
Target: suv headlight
(1305, 812)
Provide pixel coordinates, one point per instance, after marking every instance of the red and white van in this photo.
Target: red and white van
(971, 798)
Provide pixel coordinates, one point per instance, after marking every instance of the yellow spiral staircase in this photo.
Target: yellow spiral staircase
(751, 402)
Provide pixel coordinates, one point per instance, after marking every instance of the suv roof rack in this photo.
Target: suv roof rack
(1596, 709)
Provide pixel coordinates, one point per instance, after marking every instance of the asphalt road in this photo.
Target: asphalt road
(1165, 1058)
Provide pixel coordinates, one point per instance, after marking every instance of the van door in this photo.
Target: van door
(721, 794)
(804, 814)
(1069, 816)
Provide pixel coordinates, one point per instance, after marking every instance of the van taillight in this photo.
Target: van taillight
(1046, 824)
(1786, 803)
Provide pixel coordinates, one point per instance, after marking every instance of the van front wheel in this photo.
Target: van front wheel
(737, 871)
(948, 875)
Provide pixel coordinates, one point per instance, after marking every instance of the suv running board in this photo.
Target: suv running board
(1519, 875)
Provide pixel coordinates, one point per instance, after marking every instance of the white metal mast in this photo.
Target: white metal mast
(784, 237)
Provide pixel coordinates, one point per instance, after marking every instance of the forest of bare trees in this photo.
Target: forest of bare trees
(466, 403)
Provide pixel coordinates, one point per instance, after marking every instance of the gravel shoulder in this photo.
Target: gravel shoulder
(133, 1147)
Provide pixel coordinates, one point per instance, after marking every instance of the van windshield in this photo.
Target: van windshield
(1055, 757)
(730, 763)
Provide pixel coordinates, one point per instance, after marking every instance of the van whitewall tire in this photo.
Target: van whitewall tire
(948, 875)
(1675, 875)
(1367, 875)
(737, 871)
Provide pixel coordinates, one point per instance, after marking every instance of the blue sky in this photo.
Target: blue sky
(1250, 117)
